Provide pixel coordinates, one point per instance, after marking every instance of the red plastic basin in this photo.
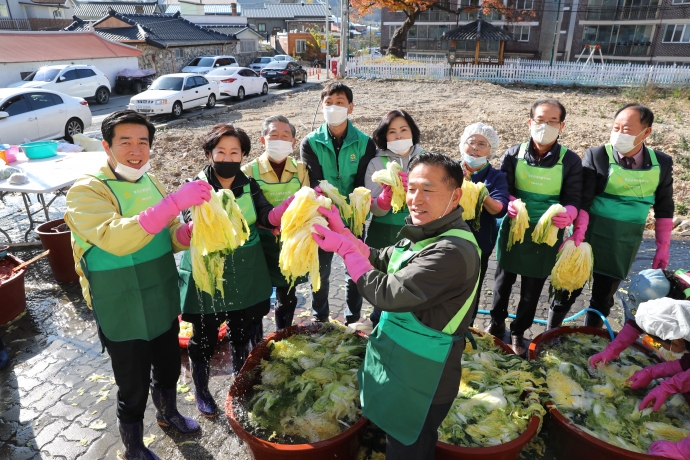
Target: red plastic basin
(12, 293)
(508, 451)
(341, 447)
(61, 257)
(572, 442)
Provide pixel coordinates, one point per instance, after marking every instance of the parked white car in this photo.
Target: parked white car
(174, 93)
(283, 57)
(238, 81)
(203, 64)
(260, 62)
(73, 80)
(37, 114)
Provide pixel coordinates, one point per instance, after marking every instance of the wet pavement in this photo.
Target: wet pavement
(57, 395)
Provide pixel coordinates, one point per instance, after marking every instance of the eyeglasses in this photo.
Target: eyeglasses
(478, 144)
(553, 124)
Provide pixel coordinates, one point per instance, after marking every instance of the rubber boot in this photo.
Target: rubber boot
(239, 355)
(4, 358)
(204, 400)
(518, 343)
(132, 435)
(167, 414)
(555, 319)
(283, 318)
(256, 333)
(593, 320)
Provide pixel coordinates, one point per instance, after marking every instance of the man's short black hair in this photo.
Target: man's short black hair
(125, 117)
(381, 130)
(221, 130)
(454, 175)
(646, 114)
(548, 101)
(336, 87)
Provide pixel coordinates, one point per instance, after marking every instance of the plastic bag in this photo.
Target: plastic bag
(666, 318)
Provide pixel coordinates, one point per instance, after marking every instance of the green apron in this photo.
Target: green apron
(405, 359)
(275, 193)
(683, 274)
(383, 230)
(617, 216)
(245, 277)
(539, 188)
(133, 296)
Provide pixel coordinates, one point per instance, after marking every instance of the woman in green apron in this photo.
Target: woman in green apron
(623, 180)
(397, 139)
(246, 279)
(425, 286)
(540, 172)
(279, 177)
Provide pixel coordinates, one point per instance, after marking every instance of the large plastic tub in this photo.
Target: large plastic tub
(508, 451)
(60, 258)
(572, 442)
(12, 293)
(341, 447)
(40, 150)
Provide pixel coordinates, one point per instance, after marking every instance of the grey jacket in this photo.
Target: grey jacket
(433, 285)
(376, 164)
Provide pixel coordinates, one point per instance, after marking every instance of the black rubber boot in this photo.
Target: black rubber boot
(256, 333)
(239, 355)
(555, 319)
(132, 435)
(497, 330)
(283, 318)
(167, 414)
(593, 320)
(204, 400)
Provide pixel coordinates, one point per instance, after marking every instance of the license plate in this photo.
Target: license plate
(270, 73)
(144, 109)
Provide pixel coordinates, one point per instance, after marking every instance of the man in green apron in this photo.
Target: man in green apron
(541, 173)
(425, 285)
(622, 181)
(279, 177)
(339, 153)
(124, 232)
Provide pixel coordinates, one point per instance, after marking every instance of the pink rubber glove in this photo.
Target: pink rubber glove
(564, 219)
(512, 212)
(676, 450)
(624, 339)
(277, 213)
(403, 178)
(155, 218)
(184, 234)
(579, 229)
(318, 191)
(355, 262)
(662, 230)
(643, 378)
(383, 201)
(336, 224)
(679, 383)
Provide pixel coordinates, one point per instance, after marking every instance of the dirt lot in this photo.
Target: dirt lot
(442, 110)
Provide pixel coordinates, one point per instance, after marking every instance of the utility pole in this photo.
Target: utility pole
(556, 32)
(344, 36)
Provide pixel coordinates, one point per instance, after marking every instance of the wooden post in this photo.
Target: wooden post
(501, 50)
(476, 53)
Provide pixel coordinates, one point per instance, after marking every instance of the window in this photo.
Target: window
(301, 46)
(57, 14)
(248, 46)
(179, 53)
(4, 12)
(85, 73)
(57, 99)
(261, 27)
(521, 33)
(524, 5)
(677, 33)
(40, 101)
(190, 83)
(675, 2)
(69, 76)
(16, 106)
(138, 9)
(200, 81)
(277, 30)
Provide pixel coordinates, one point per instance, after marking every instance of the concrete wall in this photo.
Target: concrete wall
(166, 61)
(11, 72)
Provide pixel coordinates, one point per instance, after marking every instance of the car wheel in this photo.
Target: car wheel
(102, 95)
(211, 101)
(137, 87)
(177, 109)
(292, 81)
(264, 90)
(240, 93)
(73, 126)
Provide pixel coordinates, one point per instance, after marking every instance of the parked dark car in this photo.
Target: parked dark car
(135, 80)
(287, 73)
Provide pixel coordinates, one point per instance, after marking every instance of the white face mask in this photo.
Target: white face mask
(400, 147)
(623, 143)
(127, 172)
(278, 150)
(474, 162)
(544, 133)
(335, 115)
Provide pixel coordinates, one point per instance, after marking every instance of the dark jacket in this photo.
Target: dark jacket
(261, 204)
(596, 174)
(309, 158)
(497, 186)
(571, 188)
(433, 285)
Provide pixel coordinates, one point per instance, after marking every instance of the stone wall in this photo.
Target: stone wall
(172, 60)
